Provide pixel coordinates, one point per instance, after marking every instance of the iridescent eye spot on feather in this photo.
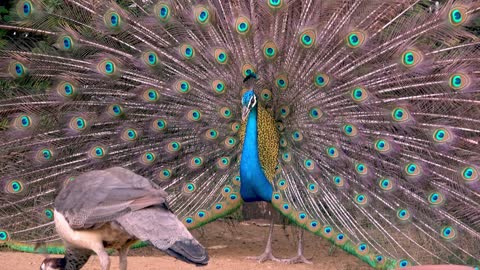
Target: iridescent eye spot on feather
(24, 9)
(314, 226)
(361, 199)
(382, 146)
(202, 15)
(340, 239)
(226, 113)
(151, 95)
(3, 236)
(411, 58)
(14, 186)
(457, 16)
(281, 81)
(148, 158)
(350, 130)
(218, 207)
(283, 142)
(266, 95)
(315, 113)
(219, 86)
(159, 124)
(226, 190)
(403, 263)
(236, 180)
(65, 43)
(162, 11)
(189, 222)
(173, 147)
(66, 90)
(312, 187)
(202, 215)
(187, 51)
(275, 4)
(413, 169)
(17, 69)
(359, 94)
(23, 122)
(235, 126)
(280, 126)
(44, 155)
(284, 111)
(362, 248)
(129, 135)
(287, 157)
(459, 81)
(448, 233)
(307, 38)
(270, 50)
(470, 174)
(385, 184)
(282, 184)
(297, 136)
(115, 110)
(112, 19)
(338, 181)
(230, 142)
(436, 198)
(78, 123)
(321, 80)
(107, 67)
(442, 135)
(332, 152)
(233, 198)
(309, 164)
(97, 152)
(194, 115)
(361, 168)
(48, 213)
(165, 174)
(150, 58)
(221, 56)
(276, 197)
(286, 208)
(248, 69)
(223, 163)
(400, 114)
(242, 25)
(182, 86)
(327, 231)
(403, 214)
(189, 188)
(211, 134)
(355, 39)
(301, 217)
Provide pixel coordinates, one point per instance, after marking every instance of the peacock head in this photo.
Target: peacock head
(249, 101)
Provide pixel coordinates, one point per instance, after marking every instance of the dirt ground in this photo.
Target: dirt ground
(228, 246)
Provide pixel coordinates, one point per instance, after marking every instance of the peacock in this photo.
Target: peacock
(355, 119)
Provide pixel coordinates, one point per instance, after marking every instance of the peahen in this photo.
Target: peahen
(114, 208)
(356, 119)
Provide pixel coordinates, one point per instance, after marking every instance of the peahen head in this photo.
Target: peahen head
(53, 264)
(249, 101)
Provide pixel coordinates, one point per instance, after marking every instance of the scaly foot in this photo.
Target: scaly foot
(297, 259)
(266, 256)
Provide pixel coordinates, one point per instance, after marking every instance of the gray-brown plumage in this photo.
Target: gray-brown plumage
(112, 209)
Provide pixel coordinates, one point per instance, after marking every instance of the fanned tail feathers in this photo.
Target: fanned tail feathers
(376, 102)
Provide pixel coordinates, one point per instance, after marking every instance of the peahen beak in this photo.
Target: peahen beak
(245, 112)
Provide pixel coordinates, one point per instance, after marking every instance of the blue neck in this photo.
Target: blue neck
(254, 184)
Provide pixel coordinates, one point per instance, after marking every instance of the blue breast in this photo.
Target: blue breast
(254, 184)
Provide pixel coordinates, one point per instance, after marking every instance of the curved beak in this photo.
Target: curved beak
(245, 112)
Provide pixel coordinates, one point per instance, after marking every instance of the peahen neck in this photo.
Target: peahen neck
(254, 184)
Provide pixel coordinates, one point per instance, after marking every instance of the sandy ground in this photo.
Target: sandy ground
(228, 246)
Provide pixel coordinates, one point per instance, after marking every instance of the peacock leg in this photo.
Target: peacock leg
(267, 254)
(122, 254)
(299, 258)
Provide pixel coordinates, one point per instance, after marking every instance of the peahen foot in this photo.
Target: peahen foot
(299, 258)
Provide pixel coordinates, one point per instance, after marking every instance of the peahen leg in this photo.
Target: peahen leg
(122, 254)
(299, 258)
(267, 254)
